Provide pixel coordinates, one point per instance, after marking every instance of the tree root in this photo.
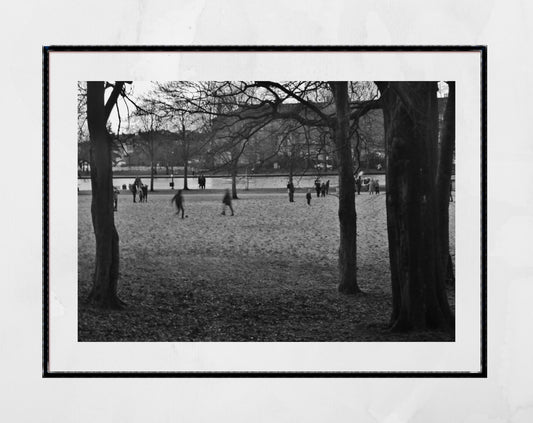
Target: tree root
(106, 303)
(350, 290)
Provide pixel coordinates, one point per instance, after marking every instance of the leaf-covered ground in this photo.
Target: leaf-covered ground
(269, 273)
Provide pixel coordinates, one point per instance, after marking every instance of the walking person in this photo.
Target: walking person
(327, 187)
(290, 190)
(358, 185)
(318, 186)
(226, 201)
(308, 197)
(178, 199)
(376, 186)
(323, 189)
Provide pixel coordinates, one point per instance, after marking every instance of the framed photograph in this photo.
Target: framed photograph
(264, 211)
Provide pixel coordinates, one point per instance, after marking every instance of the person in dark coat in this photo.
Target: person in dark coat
(318, 186)
(323, 189)
(133, 189)
(308, 197)
(145, 193)
(178, 199)
(226, 201)
(290, 190)
(327, 187)
(136, 187)
(358, 185)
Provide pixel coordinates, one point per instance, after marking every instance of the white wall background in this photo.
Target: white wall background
(507, 394)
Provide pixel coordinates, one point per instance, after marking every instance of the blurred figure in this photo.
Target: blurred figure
(115, 198)
(136, 187)
(358, 185)
(318, 186)
(371, 186)
(376, 186)
(138, 183)
(308, 197)
(178, 199)
(145, 193)
(290, 190)
(133, 189)
(226, 201)
(323, 189)
(327, 187)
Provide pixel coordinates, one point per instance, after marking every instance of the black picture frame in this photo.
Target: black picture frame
(46, 373)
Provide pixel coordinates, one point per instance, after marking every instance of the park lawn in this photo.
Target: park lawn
(269, 273)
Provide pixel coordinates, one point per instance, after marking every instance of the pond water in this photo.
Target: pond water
(252, 182)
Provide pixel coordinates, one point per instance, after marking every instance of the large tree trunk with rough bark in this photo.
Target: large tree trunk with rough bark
(347, 213)
(411, 138)
(105, 278)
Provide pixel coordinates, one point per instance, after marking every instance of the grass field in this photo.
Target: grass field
(269, 273)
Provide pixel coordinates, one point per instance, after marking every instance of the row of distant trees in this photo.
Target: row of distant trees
(235, 115)
(164, 143)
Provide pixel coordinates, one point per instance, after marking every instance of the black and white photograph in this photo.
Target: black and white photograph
(266, 211)
(227, 212)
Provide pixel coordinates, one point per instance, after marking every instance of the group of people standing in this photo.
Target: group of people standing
(138, 188)
(372, 184)
(201, 181)
(321, 188)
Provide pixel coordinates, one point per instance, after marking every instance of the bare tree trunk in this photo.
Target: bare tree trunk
(291, 169)
(151, 162)
(325, 161)
(347, 213)
(185, 158)
(185, 176)
(151, 176)
(105, 278)
(234, 171)
(411, 136)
